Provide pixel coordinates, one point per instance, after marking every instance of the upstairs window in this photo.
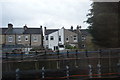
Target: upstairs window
(26, 38)
(67, 39)
(59, 38)
(51, 38)
(10, 39)
(83, 37)
(35, 38)
(75, 37)
(19, 38)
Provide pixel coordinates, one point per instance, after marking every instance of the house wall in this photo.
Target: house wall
(46, 42)
(36, 43)
(70, 35)
(22, 39)
(13, 40)
(2, 39)
(24, 42)
(55, 42)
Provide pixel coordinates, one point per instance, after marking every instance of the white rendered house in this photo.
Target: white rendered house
(56, 39)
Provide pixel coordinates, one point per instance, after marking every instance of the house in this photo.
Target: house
(86, 40)
(58, 39)
(21, 38)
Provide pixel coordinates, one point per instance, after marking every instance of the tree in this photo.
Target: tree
(104, 26)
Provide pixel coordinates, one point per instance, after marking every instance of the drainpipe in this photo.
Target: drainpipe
(30, 40)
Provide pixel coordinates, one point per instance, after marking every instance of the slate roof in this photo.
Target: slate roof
(20, 31)
(84, 32)
(32, 31)
(49, 31)
(3, 30)
(15, 31)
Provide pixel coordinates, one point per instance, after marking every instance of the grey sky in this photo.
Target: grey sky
(49, 13)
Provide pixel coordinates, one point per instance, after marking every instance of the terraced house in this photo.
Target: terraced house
(60, 39)
(21, 38)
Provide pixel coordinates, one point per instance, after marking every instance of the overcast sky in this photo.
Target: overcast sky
(49, 13)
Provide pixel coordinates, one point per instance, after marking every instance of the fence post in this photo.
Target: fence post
(90, 70)
(45, 54)
(99, 70)
(58, 54)
(21, 55)
(6, 56)
(43, 72)
(76, 54)
(118, 68)
(17, 74)
(67, 72)
(86, 52)
(67, 54)
(100, 51)
(36, 53)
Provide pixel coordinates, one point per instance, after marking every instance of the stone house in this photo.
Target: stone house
(21, 38)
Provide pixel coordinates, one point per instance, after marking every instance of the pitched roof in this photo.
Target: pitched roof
(15, 31)
(32, 31)
(49, 31)
(3, 30)
(84, 32)
(20, 31)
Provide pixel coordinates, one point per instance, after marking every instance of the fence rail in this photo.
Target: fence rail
(70, 65)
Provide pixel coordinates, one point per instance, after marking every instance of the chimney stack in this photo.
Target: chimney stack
(25, 27)
(45, 29)
(78, 27)
(72, 28)
(10, 26)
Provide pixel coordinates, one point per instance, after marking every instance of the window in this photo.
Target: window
(51, 38)
(46, 37)
(83, 37)
(59, 38)
(10, 39)
(83, 45)
(19, 38)
(67, 39)
(75, 37)
(26, 38)
(35, 38)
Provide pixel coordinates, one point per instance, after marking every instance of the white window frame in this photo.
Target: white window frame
(19, 38)
(26, 38)
(10, 39)
(35, 38)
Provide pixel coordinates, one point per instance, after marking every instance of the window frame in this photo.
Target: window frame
(10, 39)
(19, 38)
(26, 38)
